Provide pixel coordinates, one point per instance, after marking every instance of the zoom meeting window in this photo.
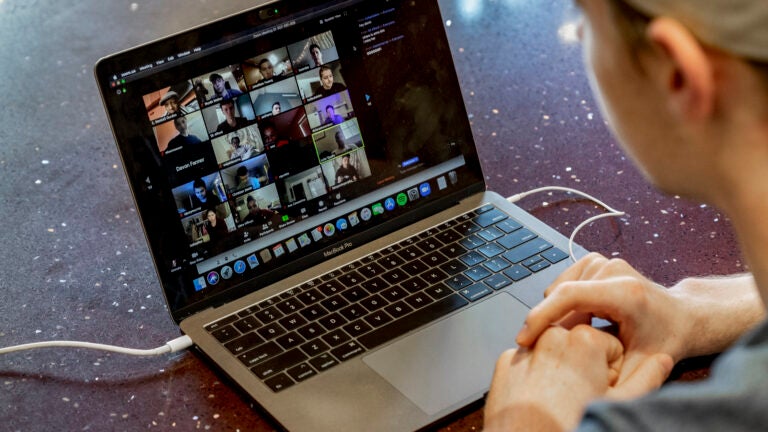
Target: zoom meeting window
(270, 133)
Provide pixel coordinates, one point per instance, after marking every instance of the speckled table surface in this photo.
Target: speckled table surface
(75, 264)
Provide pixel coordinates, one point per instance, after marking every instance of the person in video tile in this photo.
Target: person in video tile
(170, 101)
(238, 151)
(220, 87)
(244, 180)
(331, 118)
(267, 69)
(203, 198)
(276, 109)
(230, 123)
(256, 213)
(214, 225)
(342, 146)
(346, 171)
(317, 54)
(327, 86)
(184, 137)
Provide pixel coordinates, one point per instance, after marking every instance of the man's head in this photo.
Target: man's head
(345, 160)
(181, 125)
(266, 69)
(326, 77)
(253, 206)
(218, 83)
(170, 101)
(242, 174)
(200, 190)
(235, 141)
(316, 53)
(228, 109)
(276, 108)
(650, 64)
(270, 133)
(330, 111)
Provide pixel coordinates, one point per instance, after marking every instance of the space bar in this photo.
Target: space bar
(412, 321)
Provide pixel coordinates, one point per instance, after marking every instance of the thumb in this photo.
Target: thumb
(648, 376)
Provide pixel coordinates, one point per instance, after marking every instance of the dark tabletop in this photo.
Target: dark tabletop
(75, 265)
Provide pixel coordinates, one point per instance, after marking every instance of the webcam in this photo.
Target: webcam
(269, 13)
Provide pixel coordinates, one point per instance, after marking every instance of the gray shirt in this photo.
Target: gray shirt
(733, 398)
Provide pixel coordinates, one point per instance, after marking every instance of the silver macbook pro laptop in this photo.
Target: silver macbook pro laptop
(311, 193)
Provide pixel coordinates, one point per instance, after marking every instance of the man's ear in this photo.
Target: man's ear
(686, 73)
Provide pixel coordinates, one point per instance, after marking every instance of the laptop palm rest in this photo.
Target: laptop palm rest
(439, 366)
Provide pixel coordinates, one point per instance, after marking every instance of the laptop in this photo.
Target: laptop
(311, 194)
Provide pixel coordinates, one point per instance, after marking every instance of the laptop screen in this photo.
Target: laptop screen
(277, 138)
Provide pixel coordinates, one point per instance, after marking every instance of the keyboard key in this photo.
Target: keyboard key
(497, 281)
(517, 238)
(394, 294)
(221, 323)
(323, 362)
(225, 333)
(448, 236)
(453, 267)
(375, 285)
(271, 331)
(434, 259)
(311, 331)
(347, 351)
(301, 372)
(517, 272)
(334, 303)
(477, 273)
(539, 266)
(279, 363)
(355, 294)
(391, 261)
(496, 264)
(438, 291)
(434, 276)
(453, 250)
(395, 276)
(279, 382)
(247, 324)
(554, 255)
(371, 270)
(509, 225)
(292, 322)
(476, 292)
(419, 300)
(248, 311)
(490, 234)
(490, 250)
(290, 340)
(429, 245)
(350, 279)
(374, 302)
(244, 343)
(413, 321)
(410, 253)
(377, 319)
(471, 242)
(472, 258)
(289, 306)
(330, 288)
(458, 282)
(485, 208)
(489, 218)
(336, 338)
(398, 309)
(357, 328)
(466, 228)
(526, 250)
(268, 315)
(353, 312)
(259, 354)
(332, 321)
(414, 284)
(414, 267)
(313, 312)
(315, 347)
(310, 296)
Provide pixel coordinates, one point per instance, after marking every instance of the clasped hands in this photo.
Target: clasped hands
(563, 363)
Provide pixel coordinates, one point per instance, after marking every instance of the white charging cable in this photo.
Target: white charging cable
(178, 344)
(611, 211)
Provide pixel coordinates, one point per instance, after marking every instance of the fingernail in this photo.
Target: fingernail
(522, 335)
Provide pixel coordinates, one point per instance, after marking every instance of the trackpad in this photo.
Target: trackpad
(448, 362)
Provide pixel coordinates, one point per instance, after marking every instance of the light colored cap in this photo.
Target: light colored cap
(170, 94)
(739, 27)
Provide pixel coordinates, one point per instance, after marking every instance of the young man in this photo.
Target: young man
(697, 73)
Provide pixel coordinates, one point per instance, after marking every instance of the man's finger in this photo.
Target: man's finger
(649, 375)
(598, 298)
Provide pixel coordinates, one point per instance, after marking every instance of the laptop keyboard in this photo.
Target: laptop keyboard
(315, 326)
